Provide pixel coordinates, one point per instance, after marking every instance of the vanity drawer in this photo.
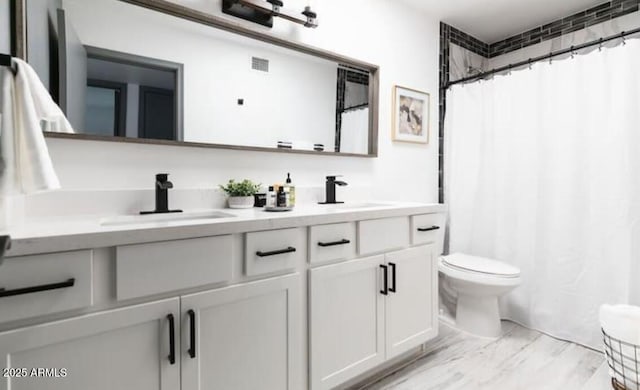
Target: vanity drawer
(158, 267)
(382, 235)
(332, 242)
(428, 229)
(273, 250)
(44, 284)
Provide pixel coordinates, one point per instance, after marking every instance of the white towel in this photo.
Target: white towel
(622, 322)
(27, 110)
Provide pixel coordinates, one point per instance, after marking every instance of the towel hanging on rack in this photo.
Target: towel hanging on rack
(26, 109)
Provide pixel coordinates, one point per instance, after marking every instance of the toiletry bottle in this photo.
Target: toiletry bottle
(271, 197)
(282, 197)
(292, 191)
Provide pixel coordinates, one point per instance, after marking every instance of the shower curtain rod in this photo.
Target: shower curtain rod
(544, 57)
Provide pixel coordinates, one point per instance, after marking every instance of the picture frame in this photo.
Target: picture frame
(411, 115)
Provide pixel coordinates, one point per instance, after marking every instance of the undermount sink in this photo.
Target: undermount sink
(169, 217)
(354, 206)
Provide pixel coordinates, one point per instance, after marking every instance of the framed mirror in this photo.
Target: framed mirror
(155, 71)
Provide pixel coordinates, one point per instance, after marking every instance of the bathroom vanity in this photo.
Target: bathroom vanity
(310, 299)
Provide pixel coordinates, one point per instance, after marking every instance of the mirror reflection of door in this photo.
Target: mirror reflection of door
(106, 108)
(138, 94)
(156, 118)
(72, 72)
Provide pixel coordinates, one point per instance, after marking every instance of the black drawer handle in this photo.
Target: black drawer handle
(428, 229)
(385, 283)
(172, 339)
(28, 290)
(192, 333)
(278, 252)
(334, 243)
(5, 245)
(393, 277)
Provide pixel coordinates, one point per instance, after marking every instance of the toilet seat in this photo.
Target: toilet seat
(478, 283)
(480, 265)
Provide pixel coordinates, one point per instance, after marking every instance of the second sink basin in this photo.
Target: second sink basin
(169, 217)
(354, 206)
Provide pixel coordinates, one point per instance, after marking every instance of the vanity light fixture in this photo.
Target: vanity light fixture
(263, 12)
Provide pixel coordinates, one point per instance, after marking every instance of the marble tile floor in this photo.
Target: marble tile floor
(522, 359)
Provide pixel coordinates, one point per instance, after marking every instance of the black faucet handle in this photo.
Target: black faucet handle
(333, 177)
(162, 177)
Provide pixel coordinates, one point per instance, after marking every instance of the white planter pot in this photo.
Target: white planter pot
(240, 202)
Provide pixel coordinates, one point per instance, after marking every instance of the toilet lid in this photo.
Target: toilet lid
(480, 265)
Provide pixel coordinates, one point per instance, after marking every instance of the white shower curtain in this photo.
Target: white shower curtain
(354, 131)
(543, 172)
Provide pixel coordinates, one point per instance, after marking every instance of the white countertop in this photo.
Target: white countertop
(72, 233)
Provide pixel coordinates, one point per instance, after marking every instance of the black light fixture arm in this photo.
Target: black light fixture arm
(263, 12)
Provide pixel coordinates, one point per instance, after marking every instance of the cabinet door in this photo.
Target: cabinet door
(115, 350)
(346, 321)
(246, 337)
(411, 307)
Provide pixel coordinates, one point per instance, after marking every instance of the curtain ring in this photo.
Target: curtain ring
(572, 53)
(550, 58)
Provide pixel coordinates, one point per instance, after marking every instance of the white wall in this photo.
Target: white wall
(5, 32)
(401, 40)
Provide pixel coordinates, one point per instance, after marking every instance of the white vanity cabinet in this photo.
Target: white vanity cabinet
(307, 302)
(366, 311)
(411, 308)
(346, 321)
(125, 348)
(243, 337)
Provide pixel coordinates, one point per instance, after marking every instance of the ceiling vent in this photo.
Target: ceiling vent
(260, 64)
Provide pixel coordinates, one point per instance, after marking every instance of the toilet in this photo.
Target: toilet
(475, 284)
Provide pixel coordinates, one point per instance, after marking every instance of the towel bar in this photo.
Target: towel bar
(7, 60)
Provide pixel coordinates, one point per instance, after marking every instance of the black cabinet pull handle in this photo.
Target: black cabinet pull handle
(192, 333)
(172, 339)
(393, 277)
(278, 252)
(344, 241)
(45, 287)
(385, 283)
(428, 229)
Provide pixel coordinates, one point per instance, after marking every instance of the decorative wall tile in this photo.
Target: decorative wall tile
(578, 21)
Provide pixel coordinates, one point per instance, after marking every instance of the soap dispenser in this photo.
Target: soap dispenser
(281, 199)
(291, 189)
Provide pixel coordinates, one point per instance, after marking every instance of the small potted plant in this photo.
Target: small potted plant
(240, 193)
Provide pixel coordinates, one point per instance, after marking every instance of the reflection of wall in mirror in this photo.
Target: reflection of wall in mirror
(5, 33)
(295, 100)
(42, 28)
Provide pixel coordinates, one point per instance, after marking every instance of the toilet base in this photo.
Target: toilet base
(479, 315)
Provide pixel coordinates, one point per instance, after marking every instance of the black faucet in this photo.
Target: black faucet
(330, 187)
(5, 245)
(162, 195)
